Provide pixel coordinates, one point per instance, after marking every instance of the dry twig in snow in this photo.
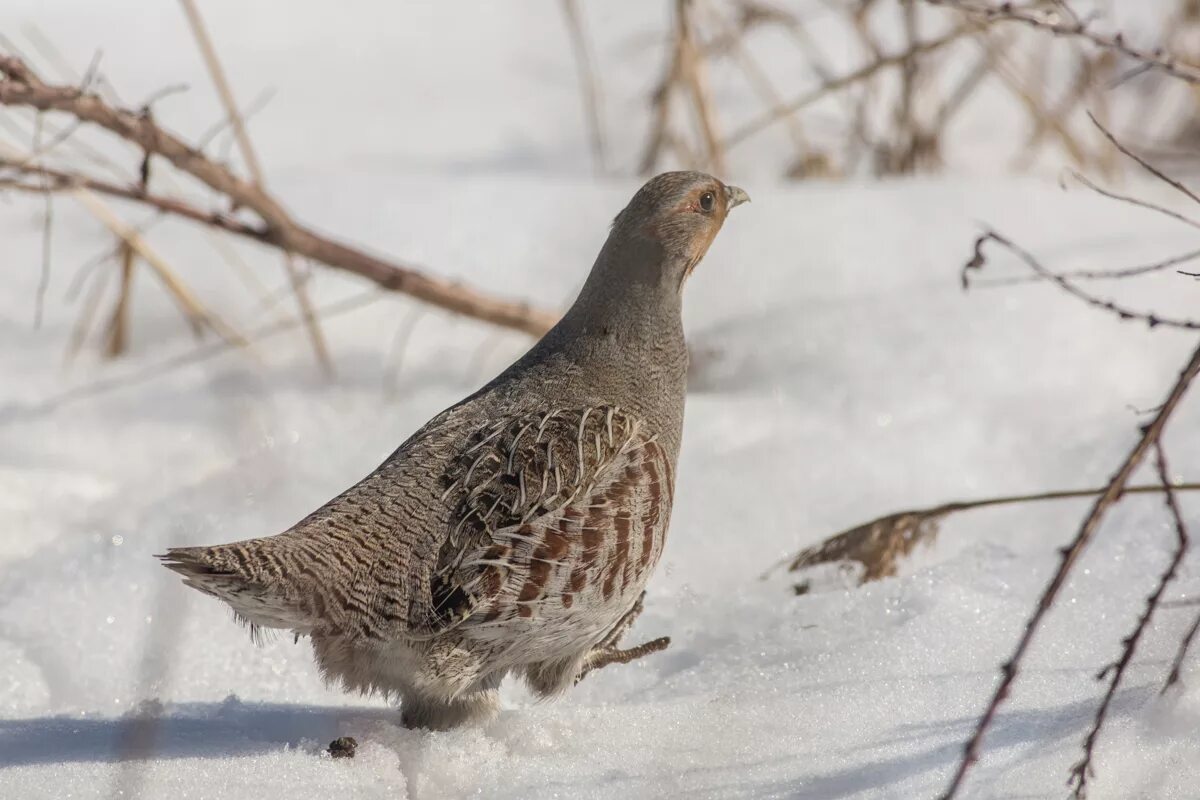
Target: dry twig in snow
(882, 544)
(1070, 555)
(21, 87)
(225, 92)
(589, 83)
(1082, 770)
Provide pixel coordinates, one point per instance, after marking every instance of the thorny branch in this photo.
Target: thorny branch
(978, 260)
(1116, 489)
(21, 87)
(1070, 555)
(1082, 770)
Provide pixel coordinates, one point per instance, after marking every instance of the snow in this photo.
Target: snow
(839, 373)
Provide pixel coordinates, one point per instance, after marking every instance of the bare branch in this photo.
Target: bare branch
(589, 83)
(978, 260)
(1100, 274)
(225, 92)
(21, 87)
(1070, 556)
(1134, 201)
(1053, 22)
(1144, 164)
(188, 303)
(837, 84)
(1082, 770)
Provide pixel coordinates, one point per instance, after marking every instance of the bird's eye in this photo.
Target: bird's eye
(706, 201)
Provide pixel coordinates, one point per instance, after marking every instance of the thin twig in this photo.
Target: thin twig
(1070, 556)
(660, 110)
(756, 76)
(978, 260)
(118, 323)
(225, 92)
(589, 83)
(1098, 274)
(21, 87)
(1082, 770)
(1072, 26)
(1144, 164)
(188, 303)
(916, 516)
(837, 84)
(1133, 201)
(83, 324)
(47, 243)
(692, 75)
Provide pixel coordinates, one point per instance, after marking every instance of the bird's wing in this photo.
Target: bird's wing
(555, 507)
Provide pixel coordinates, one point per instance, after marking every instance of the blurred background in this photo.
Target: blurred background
(366, 209)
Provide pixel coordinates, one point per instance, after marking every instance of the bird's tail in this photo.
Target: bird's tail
(239, 574)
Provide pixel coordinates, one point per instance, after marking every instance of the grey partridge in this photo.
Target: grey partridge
(515, 532)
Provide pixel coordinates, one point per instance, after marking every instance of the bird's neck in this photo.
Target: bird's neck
(631, 297)
(621, 343)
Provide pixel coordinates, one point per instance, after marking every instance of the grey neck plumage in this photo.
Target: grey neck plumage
(621, 343)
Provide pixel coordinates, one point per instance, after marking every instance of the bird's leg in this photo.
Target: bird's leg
(613, 637)
(606, 651)
(598, 659)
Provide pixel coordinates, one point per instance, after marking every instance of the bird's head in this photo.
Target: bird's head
(681, 212)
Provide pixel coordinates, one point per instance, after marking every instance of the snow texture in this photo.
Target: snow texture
(839, 373)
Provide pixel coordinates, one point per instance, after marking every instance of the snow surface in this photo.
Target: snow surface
(839, 373)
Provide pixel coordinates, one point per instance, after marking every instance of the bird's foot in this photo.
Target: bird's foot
(607, 651)
(602, 657)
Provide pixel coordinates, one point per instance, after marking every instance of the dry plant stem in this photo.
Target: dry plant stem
(946, 509)
(1070, 556)
(691, 73)
(837, 84)
(1134, 201)
(757, 76)
(47, 49)
(118, 324)
(83, 324)
(225, 92)
(192, 308)
(660, 103)
(978, 260)
(1076, 94)
(21, 87)
(1099, 275)
(1052, 22)
(1144, 164)
(62, 181)
(1035, 106)
(1082, 769)
(589, 84)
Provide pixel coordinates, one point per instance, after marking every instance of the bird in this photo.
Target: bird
(515, 532)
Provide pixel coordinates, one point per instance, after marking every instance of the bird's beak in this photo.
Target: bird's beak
(736, 196)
